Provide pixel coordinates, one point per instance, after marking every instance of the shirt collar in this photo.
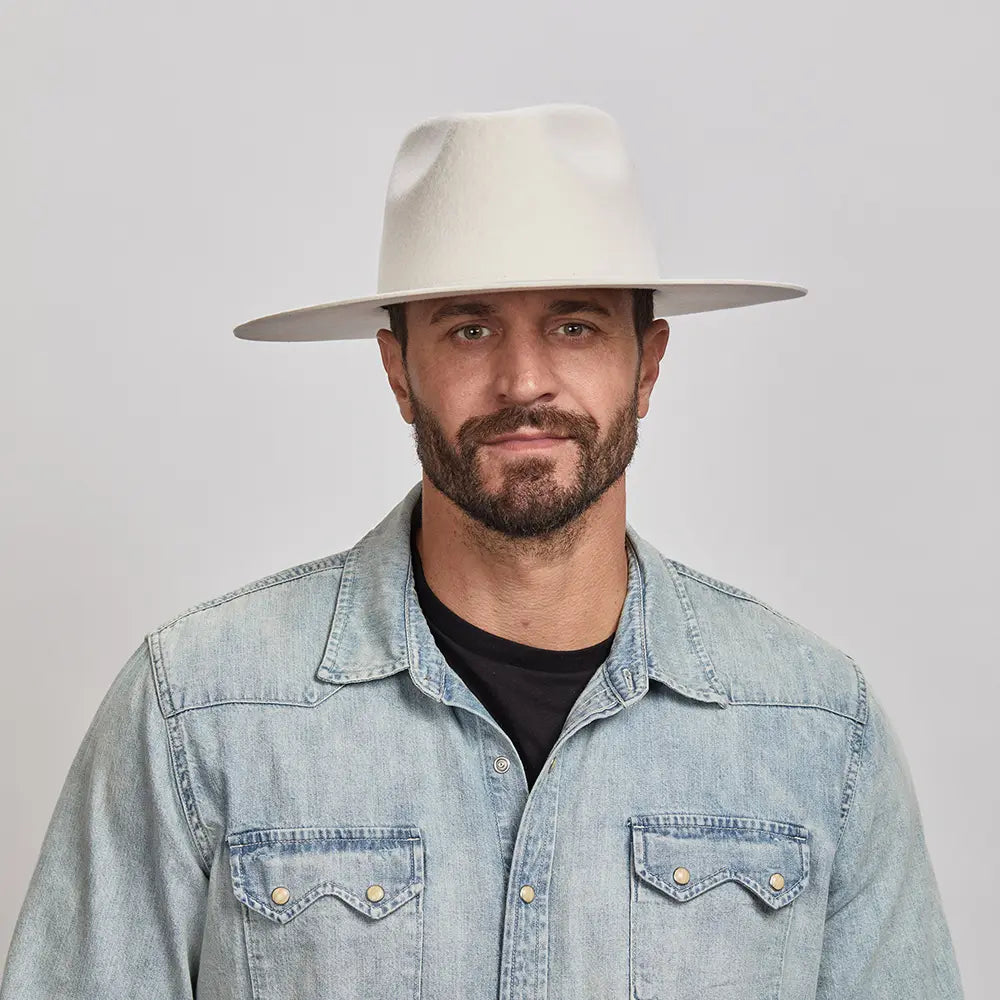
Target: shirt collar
(378, 627)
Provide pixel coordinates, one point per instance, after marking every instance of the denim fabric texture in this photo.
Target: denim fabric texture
(288, 793)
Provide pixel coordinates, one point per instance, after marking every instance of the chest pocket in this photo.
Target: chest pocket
(331, 914)
(711, 904)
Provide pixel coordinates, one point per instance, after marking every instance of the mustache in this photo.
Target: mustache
(516, 420)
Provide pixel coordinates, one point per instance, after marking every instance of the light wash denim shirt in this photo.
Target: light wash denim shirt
(288, 793)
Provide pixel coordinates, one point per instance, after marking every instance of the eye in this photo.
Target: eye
(584, 327)
(472, 332)
(469, 326)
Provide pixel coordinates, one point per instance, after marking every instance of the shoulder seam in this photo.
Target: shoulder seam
(731, 591)
(855, 750)
(275, 579)
(720, 585)
(178, 759)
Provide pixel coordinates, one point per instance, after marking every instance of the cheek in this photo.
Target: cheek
(449, 404)
(456, 402)
(602, 392)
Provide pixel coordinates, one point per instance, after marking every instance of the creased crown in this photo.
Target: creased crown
(531, 193)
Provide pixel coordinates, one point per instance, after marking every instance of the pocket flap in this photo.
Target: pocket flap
(684, 855)
(279, 872)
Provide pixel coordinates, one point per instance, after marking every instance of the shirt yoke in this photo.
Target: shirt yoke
(262, 643)
(763, 657)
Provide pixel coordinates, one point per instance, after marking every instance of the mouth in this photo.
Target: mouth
(520, 442)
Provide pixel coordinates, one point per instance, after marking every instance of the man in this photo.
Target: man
(502, 747)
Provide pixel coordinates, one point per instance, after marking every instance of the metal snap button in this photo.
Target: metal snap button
(501, 764)
(777, 881)
(280, 895)
(682, 876)
(375, 893)
(527, 893)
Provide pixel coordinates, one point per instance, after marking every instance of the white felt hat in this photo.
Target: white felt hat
(537, 197)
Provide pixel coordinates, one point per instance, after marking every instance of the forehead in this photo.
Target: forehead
(613, 302)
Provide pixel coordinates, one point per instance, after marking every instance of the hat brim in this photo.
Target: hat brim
(355, 319)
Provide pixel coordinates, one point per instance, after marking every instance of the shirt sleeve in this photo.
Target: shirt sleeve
(115, 906)
(885, 934)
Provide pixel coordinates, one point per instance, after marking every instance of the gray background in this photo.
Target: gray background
(170, 172)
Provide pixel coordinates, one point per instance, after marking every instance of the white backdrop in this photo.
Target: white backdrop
(169, 172)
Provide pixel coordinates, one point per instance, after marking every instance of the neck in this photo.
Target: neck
(564, 591)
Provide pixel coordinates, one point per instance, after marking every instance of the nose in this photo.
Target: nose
(522, 369)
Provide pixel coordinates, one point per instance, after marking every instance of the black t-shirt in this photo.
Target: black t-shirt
(528, 691)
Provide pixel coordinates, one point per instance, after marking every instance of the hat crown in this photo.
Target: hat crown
(537, 197)
(509, 196)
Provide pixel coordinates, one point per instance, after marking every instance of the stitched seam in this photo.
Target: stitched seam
(251, 950)
(164, 695)
(779, 831)
(338, 891)
(862, 692)
(286, 576)
(553, 840)
(723, 588)
(698, 694)
(383, 669)
(342, 606)
(848, 795)
(595, 696)
(695, 636)
(333, 836)
(185, 790)
(222, 702)
(631, 921)
(178, 761)
(493, 794)
(795, 704)
(719, 585)
(418, 986)
(413, 662)
(784, 952)
(642, 607)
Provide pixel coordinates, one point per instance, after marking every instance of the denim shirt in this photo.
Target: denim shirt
(288, 793)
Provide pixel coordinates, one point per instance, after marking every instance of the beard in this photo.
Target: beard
(530, 501)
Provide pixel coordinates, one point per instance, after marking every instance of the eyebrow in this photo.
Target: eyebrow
(483, 309)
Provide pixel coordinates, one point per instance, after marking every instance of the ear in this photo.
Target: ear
(392, 362)
(654, 343)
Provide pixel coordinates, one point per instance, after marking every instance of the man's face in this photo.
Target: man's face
(565, 362)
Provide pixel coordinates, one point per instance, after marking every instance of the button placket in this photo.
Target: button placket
(526, 942)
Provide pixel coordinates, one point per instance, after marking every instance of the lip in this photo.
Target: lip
(520, 442)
